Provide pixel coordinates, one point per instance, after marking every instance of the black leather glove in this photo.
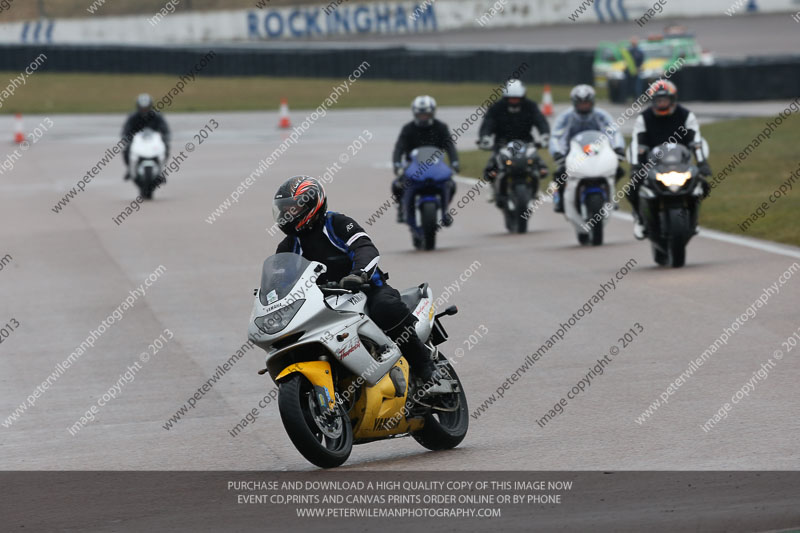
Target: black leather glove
(456, 166)
(706, 187)
(558, 157)
(704, 168)
(485, 142)
(620, 153)
(353, 281)
(638, 174)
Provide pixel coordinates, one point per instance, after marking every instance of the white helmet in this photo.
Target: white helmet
(582, 97)
(514, 89)
(144, 100)
(424, 108)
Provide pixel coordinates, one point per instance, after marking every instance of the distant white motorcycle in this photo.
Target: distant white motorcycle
(148, 153)
(588, 197)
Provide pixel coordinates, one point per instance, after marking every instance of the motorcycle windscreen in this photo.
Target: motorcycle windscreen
(589, 141)
(279, 275)
(427, 162)
(673, 157)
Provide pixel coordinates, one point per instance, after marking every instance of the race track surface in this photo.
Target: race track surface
(70, 270)
(726, 37)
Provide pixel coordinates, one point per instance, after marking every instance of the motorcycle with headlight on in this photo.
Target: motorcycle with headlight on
(341, 379)
(669, 202)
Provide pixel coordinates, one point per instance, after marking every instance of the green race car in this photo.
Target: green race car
(661, 53)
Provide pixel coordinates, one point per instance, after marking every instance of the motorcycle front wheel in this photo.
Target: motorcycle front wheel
(522, 199)
(146, 184)
(660, 257)
(680, 232)
(323, 439)
(429, 228)
(594, 208)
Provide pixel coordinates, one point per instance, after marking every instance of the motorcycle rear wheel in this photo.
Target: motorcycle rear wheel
(444, 430)
(323, 441)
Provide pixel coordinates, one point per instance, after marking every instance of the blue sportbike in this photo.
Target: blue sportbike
(428, 187)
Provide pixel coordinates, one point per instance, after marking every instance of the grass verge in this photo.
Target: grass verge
(115, 93)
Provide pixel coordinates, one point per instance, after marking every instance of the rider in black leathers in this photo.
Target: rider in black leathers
(424, 130)
(663, 122)
(342, 245)
(512, 118)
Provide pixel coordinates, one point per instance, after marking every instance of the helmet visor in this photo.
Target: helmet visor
(584, 106)
(662, 103)
(286, 211)
(513, 100)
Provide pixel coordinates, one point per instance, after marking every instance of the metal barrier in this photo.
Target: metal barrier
(394, 63)
(762, 78)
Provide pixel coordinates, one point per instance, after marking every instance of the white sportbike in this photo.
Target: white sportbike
(147, 155)
(591, 173)
(341, 379)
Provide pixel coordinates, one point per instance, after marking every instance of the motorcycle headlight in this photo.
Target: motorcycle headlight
(275, 321)
(674, 180)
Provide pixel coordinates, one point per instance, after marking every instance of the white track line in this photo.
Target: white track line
(749, 242)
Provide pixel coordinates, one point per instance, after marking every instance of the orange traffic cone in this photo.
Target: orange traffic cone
(19, 135)
(547, 101)
(283, 121)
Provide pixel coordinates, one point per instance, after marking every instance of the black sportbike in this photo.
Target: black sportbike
(519, 169)
(669, 203)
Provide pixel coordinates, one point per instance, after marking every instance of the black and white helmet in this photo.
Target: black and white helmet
(424, 109)
(582, 97)
(513, 93)
(514, 89)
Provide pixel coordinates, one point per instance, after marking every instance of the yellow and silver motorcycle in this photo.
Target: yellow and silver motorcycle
(341, 379)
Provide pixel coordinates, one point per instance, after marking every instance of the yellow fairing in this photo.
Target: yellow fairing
(317, 372)
(379, 413)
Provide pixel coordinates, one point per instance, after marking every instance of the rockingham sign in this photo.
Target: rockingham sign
(281, 23)
(311, 21)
